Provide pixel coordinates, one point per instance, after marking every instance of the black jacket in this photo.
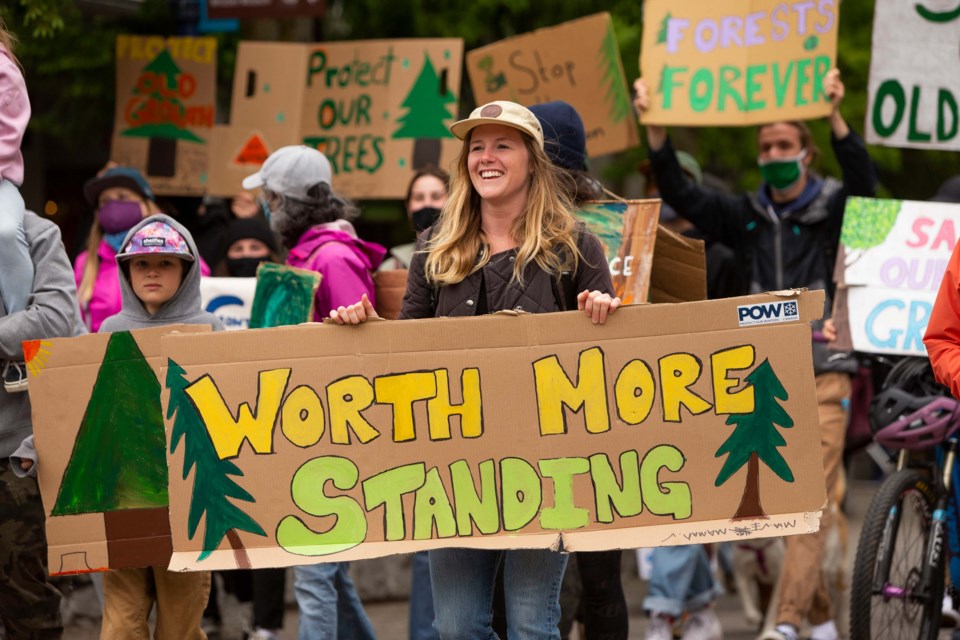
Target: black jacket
(541, 292)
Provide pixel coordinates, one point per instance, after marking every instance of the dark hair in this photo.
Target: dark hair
(296, 216)
(806, 136)
(429, 170)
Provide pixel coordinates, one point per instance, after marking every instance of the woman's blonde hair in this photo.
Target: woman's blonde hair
(545, 231)
(92, 266)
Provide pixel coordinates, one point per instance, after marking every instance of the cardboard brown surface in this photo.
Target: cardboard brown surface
(679, 270)
(390, 286)
(736, 62)
(378, 109)
(256, 400)
(576, 61)
(166, 106)
(61, 387)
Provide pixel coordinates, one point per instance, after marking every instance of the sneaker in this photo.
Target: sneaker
(14, 376)
(782, 632)
(951, 618)
(263, 634)
(659, 628)
(703, 625)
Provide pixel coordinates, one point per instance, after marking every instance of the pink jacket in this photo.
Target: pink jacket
(14, 116)
(345, 261)
(105, 300)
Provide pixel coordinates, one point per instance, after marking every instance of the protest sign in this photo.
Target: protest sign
(166, 91)
(668, 424)
(914, 76)
(737, 62)
(628, 231)
(230, 299)
(284, 295)
(578, 62)
(99, 436)
(378, 109)
(894, 254)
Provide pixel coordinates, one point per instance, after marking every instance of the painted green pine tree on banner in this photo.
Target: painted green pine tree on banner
(756, 439)
(162, 67)
(426, 106)
(617, 96)
(118, 460)
(212, 482)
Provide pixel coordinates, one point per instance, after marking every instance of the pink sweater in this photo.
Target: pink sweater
(14, 116)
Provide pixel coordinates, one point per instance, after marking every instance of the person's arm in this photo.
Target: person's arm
(593, 282)
(418, 299)
(714, 212)
(859, 174)
(52, 310)
(14, 116)
(942, 338)
(24, 459)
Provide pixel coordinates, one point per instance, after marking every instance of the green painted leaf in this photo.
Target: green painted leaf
(868, 221)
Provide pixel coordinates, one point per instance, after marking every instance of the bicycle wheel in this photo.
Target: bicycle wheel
(896, 534)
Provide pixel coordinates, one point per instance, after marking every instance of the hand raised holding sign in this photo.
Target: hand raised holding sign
(656, 134)
(833, 87)
(356, 313)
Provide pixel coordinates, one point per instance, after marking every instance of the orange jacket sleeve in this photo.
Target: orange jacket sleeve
(942, 338)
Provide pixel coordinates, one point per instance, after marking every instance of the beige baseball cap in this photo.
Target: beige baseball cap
(509, 114)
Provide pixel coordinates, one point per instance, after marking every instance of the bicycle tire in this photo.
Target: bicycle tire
(897, 612)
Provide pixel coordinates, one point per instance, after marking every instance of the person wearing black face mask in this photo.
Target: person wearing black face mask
(246, 244)
(426, 196)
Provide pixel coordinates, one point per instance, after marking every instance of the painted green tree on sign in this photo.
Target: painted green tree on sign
(212, 482)
(757, 439)
(866, 224)
(426, 106)
(616, 97)
(159, 85)
(118, 459)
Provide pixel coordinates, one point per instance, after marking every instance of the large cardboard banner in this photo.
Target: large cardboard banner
(166, 92)
(894, 254)
(99, 434)
(737, 62)
(578, 62)
(914, 75)
(628, 231)
(378, 109)
(669, 424)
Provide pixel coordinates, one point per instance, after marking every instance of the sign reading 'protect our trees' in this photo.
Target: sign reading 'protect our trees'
(165, 110)
(737, 62)
(668, 424)
(378, 109)
(915, 75)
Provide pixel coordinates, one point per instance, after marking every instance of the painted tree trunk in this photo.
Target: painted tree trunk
(239, 552)
(426, 151)
(750, 506)
(138, 537)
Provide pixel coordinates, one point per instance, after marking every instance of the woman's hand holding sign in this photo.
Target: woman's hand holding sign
(356, 313)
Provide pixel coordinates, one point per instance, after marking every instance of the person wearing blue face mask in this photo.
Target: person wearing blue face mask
(785, 236)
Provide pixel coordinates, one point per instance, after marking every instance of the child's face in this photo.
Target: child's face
(155, 279)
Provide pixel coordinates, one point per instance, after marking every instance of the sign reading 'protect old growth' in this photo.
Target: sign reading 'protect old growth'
(737, 62)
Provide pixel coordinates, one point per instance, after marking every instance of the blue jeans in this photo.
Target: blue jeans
(463, 582)
(16, 266)
(329, 606)
(681, 580)
(421, 600)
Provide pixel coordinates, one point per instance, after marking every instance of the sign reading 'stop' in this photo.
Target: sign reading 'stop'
(737, 62)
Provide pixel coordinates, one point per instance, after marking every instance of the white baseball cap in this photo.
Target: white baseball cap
(509, 114)
(292, 171)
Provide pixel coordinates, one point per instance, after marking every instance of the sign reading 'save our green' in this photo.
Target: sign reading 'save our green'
(737, 62)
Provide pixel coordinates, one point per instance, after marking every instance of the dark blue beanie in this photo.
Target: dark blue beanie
(564, 137)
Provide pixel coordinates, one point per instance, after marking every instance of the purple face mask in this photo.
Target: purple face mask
(119, 215)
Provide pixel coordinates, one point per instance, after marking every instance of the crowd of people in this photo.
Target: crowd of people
(498, 232)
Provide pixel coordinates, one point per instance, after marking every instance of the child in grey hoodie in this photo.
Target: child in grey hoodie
(160, 285)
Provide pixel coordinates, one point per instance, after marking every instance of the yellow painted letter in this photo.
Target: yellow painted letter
(228, 434)
(721, 363)
(678, 372)
(634, 392)
(441, 408)
(555, 390)
(301, 419)
(346, 398)
(401, 391)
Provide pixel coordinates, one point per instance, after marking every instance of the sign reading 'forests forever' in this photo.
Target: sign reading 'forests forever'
(165, 110)
(378, 109)
(737, 62)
